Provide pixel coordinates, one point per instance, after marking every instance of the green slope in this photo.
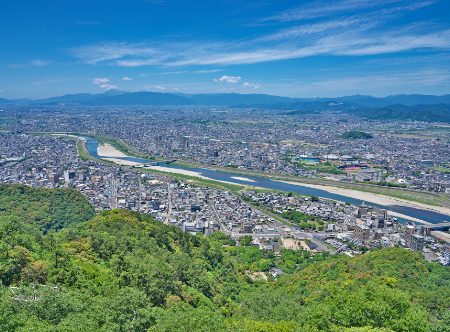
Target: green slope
(44, 209)
(122, 271)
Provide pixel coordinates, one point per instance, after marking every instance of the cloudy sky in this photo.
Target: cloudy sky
(323, 48)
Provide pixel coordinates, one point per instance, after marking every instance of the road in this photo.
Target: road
(219, 221)
(169, 212)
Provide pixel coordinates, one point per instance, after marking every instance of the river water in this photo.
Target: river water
(429, 216)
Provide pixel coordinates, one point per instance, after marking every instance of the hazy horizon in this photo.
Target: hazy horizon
(254, 93)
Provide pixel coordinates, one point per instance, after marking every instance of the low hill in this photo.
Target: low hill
(6, 101)
(355, 135)
(416, 99)
(122, 271)
(44, 209)
(428, 115)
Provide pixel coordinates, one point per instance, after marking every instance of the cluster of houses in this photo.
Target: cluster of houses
(282, 144)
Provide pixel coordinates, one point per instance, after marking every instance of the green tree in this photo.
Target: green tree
(372, 305)
(443, 325)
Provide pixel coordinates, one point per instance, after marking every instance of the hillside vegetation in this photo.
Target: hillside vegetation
(122, 271)
(355, 134)
(44, 209)
(428, 115)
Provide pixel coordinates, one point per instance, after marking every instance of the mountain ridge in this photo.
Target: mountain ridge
(122, 98)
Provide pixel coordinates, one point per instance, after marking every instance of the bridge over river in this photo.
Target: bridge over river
(157, 163)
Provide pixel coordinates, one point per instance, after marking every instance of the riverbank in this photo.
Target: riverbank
(376, 198)
(428, 198)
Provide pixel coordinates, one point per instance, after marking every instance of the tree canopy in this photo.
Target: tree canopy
(123, 271)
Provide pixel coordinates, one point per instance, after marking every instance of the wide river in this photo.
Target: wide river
(429, 216)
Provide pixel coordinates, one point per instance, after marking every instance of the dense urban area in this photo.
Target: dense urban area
(267, 235)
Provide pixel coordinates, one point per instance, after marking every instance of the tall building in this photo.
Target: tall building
(362, 232)
(53, 178)
(409, 230)
(425, 231)
(69, 175)
(416, 242)
(82, 174)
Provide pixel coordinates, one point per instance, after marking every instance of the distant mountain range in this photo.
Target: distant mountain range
(429, 115)
(363, 105)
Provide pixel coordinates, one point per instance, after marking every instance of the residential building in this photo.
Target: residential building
(362, 232)
(416, 242)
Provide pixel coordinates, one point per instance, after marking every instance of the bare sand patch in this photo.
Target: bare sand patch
(176, 171)
(77, 137)
(242, 179)
(290, 244)
(257, 275)
(107, 150)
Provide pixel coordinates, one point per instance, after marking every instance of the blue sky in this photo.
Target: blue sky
(319, 48)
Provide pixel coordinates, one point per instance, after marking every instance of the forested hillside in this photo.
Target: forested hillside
(44, 209)
(122, 271)
(428, 115)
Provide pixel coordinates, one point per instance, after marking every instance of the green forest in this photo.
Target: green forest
(355, 134)
(44, 209)
(123, 271)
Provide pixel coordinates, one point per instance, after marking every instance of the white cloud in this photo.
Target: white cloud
(108, 86)
(207, 71)
(157, 87)
(323, 8)
(340, 27)
(40, 62)
(1, 90)
(94, 53)
(100, 80)
(174, 89)
(251, 85)
(87, 23)
(36, 62)
(126, 79)
(431, 77)
(228, 79)
(174, 72)
(144, 75)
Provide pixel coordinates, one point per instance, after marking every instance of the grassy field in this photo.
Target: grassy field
(441, 169)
